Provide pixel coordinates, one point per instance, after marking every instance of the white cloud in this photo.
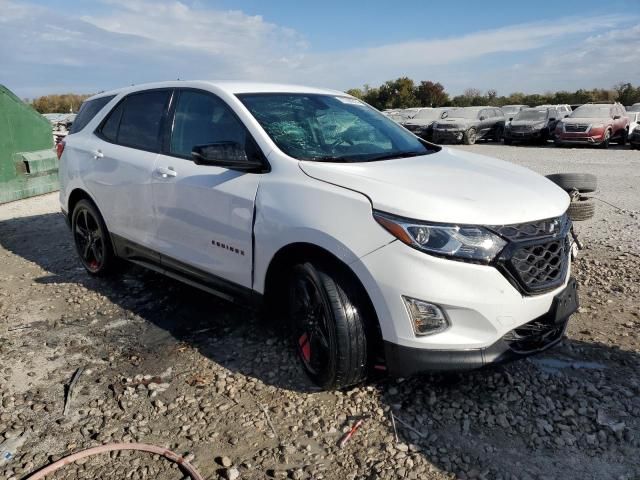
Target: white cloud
(145, 40)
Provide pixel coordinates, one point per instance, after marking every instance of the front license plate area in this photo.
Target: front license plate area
(565, 303)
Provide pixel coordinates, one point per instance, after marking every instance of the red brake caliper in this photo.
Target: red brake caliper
(305, 346)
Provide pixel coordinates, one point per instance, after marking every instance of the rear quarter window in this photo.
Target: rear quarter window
(88, 110)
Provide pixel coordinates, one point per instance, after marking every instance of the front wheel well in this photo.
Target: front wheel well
(275, 286)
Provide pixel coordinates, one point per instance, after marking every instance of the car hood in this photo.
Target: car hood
(449, 186)
(419, 122)
(515, 123)
(586, 120)
(455, 121)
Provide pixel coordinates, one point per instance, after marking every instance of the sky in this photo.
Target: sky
(87, 46)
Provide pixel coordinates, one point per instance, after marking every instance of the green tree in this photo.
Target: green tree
(431, 94)
(356, 92)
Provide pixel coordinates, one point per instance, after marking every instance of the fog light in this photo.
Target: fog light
(427, 318)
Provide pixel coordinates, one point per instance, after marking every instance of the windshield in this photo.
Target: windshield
(330, 128)
(591, 111)
(531, 115)
(471, 113)
(429, 114)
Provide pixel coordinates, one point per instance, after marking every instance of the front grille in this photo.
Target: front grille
(521, 128)
(541, 266)
(531, 230)
(537, 255)
(576, 127)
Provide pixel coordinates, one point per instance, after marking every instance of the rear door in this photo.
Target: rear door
(128, 142)
(204, 214)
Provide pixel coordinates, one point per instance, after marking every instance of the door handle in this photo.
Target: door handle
(166, 172)
(97, 154)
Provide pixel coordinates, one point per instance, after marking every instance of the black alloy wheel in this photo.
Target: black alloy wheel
(327, 326)
(91, 239)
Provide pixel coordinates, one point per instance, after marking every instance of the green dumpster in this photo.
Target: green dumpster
(28, 163)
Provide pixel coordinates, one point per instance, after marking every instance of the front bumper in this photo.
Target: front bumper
(448, 135)
(580, 138)
(481, 304)
(523, 135)
(534, 337)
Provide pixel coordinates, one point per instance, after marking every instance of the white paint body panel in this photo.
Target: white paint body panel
(327, 205)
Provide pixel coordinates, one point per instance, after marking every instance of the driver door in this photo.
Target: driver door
(204, 213)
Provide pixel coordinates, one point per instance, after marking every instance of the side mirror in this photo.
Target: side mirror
(229, 155)
(510, 118)
(482, 117)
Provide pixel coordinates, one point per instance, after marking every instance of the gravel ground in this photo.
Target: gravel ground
(169, 365)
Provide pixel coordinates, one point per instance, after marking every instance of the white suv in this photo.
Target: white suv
(385, 252)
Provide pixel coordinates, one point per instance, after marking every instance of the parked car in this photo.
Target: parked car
(634, 119)
(469, 124)
(563, 109)
(634, 108)
(402, 115)
(531, 124)
(382, 250)
(594, 124)
(634, 138)
(511, 111)
(422, 122)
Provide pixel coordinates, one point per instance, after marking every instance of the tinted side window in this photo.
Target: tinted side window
(87, 111)
(110, 127)
(201, 119)
(141, 120)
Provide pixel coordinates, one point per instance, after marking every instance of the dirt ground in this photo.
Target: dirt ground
(166, 364)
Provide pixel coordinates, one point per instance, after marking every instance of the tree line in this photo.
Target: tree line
(405, 93)
(64, 103)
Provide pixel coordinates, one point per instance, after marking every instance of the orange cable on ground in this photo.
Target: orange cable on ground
(110, 447)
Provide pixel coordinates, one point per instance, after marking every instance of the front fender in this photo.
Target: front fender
(315, 212)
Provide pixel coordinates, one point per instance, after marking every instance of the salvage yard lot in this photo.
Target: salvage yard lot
(169, 365)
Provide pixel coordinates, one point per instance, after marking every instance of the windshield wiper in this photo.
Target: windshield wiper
(389, 156)
(329, 158)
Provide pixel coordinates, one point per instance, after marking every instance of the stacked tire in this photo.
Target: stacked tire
(579, 186)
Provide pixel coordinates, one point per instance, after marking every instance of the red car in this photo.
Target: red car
(594, 124)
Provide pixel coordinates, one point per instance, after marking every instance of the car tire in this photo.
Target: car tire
(327, 318)
(607, 139)
(581, 210)
(583, 182)
(507, 141)
(623, 138)
(92, 240)
(470, 137)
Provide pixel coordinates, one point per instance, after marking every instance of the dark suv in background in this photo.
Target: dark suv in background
(532, 124)
(422, 122)
(594, 124)
(510, 111)
(468, 124)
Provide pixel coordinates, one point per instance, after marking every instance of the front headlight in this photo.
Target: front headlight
(463, 242)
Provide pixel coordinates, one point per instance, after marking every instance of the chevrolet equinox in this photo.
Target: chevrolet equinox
(383, 251)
